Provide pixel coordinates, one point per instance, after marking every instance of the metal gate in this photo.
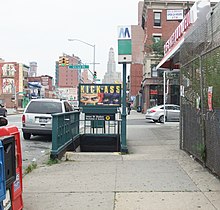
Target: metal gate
(200, 92)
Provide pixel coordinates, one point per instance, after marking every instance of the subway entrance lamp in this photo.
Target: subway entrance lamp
(124, 58)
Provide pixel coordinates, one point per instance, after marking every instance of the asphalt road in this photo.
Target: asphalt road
(33, 150)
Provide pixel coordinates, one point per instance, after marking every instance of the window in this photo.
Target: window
(43, 107)
(157, 19)
(153, 71)
(157, 38)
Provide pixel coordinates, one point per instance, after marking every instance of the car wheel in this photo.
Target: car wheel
(161, 119)
(27, 136)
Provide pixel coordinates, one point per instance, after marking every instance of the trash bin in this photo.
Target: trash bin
(139, 109)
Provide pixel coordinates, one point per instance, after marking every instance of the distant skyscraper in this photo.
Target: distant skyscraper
(111, 76)
(33, 69)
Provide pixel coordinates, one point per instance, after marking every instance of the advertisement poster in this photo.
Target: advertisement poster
(99, 95)
(210, 98)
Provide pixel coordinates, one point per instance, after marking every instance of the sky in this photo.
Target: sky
(39, 30)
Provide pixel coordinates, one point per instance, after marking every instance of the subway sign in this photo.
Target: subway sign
(106, 117)
(100, 95)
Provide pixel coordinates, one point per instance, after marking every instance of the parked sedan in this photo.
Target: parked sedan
(3, 111)
(156, 113)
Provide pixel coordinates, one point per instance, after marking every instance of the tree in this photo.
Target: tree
(157, 47)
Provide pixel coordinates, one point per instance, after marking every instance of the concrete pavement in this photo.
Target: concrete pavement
(154, 175)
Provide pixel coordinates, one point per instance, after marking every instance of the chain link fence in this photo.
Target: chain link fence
(200, 95)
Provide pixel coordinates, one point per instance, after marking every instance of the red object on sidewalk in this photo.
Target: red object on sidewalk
(16, 190)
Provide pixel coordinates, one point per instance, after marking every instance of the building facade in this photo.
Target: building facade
(66, 77)
(136, 68)
(33, 69)
(159, 20)
(111, 76)
(44, 89)
(13, 83)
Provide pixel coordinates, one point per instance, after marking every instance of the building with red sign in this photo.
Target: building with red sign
(159, 21)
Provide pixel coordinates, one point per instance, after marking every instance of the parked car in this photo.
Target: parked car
(37, 116)
(156, 113)
(3, 111)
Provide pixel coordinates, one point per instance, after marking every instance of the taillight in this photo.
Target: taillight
(152, 110)
(23, 118)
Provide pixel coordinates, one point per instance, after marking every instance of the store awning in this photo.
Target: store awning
(167, 60)
(175, 41)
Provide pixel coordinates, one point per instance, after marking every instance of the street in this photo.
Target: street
(34, 150)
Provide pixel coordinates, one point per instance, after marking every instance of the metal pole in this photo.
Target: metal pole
(94, 59)
(94, 63)
(164, 96)
(124, 148)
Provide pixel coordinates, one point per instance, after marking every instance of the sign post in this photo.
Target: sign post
(124, 57)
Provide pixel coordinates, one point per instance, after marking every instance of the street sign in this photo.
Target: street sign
(78, 66)
(124, 44)
(97, 80)
(105, 117)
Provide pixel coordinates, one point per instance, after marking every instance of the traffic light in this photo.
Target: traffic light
(67, 61)
(95, 75)
(63, 61)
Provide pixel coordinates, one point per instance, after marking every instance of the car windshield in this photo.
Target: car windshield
(44, 107)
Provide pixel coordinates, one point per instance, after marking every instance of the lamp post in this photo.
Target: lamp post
(89, 45)
(164, 97)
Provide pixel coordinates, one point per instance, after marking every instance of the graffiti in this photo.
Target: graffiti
(8, 86)
(8, 70)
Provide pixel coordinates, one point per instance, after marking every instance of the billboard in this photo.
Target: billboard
(100, 95)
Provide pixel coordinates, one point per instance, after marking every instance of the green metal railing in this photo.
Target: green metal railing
(65, 132)
(68, 130)
(101, 127)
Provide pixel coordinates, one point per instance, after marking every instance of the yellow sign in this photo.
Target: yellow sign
(107, 117)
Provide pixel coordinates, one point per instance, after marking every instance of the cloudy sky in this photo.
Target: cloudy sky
(39, 30)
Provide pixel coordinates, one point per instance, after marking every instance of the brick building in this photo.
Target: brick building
(13, 83)
(136, 69)
(159, 20)
(65, 77)
(46, 83)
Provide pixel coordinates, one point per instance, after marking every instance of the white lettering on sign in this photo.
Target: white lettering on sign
(183, 26)
(124, 32)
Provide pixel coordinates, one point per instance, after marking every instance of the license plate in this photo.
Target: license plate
(43, 120)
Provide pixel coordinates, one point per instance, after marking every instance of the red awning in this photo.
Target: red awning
(167, 60)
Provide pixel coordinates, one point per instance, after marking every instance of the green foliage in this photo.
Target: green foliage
(157, 47)
(30, 168)
(211, 63)
(52, 162)
(202, 151)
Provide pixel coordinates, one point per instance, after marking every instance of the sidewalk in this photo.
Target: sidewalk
(155, 175)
